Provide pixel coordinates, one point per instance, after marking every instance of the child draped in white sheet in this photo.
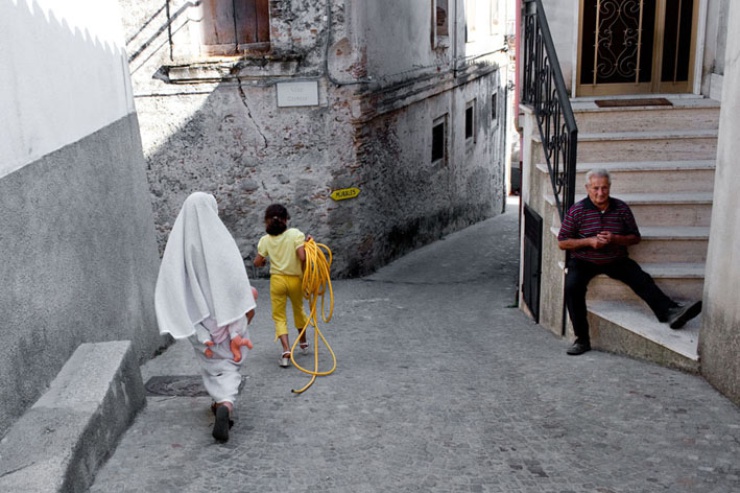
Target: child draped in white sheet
(203, 293)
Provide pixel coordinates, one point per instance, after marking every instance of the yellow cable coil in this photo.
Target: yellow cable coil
(316, 283)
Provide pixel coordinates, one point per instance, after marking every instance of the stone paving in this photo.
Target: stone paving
(441, 386)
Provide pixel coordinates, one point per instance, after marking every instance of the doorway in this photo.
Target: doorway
(636, 46)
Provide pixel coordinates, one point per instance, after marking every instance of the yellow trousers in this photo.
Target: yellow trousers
(283, 288)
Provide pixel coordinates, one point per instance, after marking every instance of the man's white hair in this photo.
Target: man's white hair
(598, 173)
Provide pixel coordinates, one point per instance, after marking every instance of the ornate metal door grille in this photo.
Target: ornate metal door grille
(636, 46)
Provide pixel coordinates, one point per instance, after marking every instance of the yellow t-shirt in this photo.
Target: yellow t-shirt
(281, 250)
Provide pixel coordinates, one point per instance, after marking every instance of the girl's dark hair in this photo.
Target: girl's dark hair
(276, 219)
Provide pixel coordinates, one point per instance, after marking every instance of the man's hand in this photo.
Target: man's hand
(596, 242)
(604, 238)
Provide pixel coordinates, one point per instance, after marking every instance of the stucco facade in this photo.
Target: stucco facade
(79, 255)
(720, 336)
(345, 95)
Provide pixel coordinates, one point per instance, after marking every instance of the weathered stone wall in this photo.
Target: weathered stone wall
(237, 146)
(407, 200)
(216, 126)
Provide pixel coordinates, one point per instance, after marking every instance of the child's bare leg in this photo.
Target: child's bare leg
(285, 342)
(285, 357)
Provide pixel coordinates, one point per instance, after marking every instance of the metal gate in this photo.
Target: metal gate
(532, 261)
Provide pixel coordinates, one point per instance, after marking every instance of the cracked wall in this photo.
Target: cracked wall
(216, 126)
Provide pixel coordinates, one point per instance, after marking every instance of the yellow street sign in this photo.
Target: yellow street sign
(345, 193)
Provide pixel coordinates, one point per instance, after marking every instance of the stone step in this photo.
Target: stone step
(661, 244)
(653, 176)
(676, 145)
(61, 441)
(670, 209)
(680, 281)
(663, 209)
(629, 327)
(684, 114)
(671, 244)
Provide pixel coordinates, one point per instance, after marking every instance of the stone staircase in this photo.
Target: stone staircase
(662, 161)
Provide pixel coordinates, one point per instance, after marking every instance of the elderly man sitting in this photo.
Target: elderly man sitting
(597, 231)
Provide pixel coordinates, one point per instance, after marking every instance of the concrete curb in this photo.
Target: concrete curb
(59, 444)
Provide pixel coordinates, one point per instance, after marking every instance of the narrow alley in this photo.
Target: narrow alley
(442, 385)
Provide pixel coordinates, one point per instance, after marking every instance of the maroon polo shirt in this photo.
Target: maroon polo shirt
(585, 220)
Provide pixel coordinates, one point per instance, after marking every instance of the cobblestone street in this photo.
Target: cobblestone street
(442, 385)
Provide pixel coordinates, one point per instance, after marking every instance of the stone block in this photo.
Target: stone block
(61, 441)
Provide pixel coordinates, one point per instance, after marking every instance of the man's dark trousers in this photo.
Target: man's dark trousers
(580, 273)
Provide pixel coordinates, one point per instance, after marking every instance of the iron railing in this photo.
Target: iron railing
(543, 88)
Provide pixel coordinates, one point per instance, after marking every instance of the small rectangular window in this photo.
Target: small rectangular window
(494, 106)
(470, 120)
(228, 27)
(471, 19)
(439, 139)
(441, 18)
(496, 22)
(440, 24)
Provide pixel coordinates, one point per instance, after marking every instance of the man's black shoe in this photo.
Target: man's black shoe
(679, 315)
(578, 348)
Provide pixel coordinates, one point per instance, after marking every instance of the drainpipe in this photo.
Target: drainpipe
(454, 39)
(517, 56)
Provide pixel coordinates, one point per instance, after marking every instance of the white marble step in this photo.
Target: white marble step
(636, 317)
(681, 209)
(678, 280)
(675, 145)
(668, 244)
(684, 114)
(655, 176)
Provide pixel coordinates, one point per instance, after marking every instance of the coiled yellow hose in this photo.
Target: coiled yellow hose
(316, 283)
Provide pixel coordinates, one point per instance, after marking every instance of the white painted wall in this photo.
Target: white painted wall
(398, 40)
(719, 341)
(71, 88)
(562, 18)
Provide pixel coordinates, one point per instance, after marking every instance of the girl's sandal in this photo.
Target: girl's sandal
(285, 359)
(304, 347)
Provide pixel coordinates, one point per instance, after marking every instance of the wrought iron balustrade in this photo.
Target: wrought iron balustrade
(543, 88)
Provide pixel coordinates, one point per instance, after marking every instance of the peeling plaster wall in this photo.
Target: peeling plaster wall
(408, 201)
(215, 125)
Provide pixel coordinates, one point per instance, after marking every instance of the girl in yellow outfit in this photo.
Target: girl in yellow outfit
(285, 248)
